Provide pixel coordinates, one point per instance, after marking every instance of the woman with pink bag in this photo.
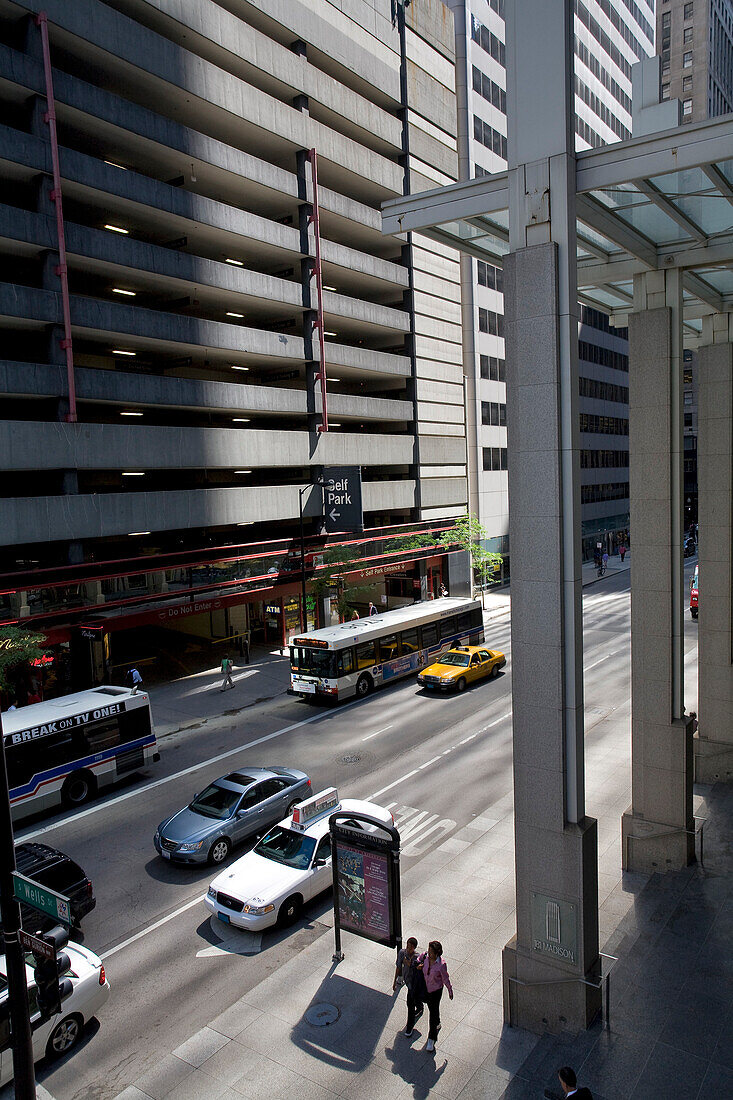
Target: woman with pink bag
(435, 973)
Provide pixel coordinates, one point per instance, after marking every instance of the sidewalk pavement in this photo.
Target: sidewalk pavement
(671, 990)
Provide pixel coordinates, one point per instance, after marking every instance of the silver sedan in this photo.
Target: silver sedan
(231, 809)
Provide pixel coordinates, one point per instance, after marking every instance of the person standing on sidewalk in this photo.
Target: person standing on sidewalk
(622, 551)
(604, 559)
(435, 973)
(372, 609)
(406, 974)
(226, 668)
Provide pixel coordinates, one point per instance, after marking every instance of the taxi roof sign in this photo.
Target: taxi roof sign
(305, 813)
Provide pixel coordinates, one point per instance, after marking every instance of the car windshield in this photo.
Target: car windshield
(460, 659)
(317, 662)
(285, 846)
(215, 802)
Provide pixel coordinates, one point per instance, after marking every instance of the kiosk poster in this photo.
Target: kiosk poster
(364, 892)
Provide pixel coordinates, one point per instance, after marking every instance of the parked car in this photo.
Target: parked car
(52, 868)
(231, 809)
(690, 546)
(461, 666)
(63, 1031)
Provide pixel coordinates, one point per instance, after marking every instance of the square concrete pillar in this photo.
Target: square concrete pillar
(551, 966)
(658, 828)
(714, 741)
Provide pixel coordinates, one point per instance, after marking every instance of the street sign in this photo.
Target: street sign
(37, 945)
(342, 498)
(41, 898)
(366, 879)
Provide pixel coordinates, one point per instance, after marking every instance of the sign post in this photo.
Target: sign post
(342, 506)
(366, 880)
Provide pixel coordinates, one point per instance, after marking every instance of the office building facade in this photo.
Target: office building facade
(229, 321)
(695, 43)
(610, 36)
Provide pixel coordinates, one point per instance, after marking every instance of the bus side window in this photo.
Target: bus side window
(389, 647)
(464, 622)
(366, 655)
(477, 619)
(447, 627)
(346, 662)
(103, 735)
(409, 642)
(429, 634)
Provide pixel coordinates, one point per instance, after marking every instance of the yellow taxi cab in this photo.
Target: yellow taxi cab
(461, 666)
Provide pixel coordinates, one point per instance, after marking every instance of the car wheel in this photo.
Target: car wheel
(363, 686)
(219, 850)
(494, 672)
(461, 685)
(289, 910)
(78, 788)
(64, 1036)
(293, 804)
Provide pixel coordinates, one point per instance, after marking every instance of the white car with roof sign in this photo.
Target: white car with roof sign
(287, 867)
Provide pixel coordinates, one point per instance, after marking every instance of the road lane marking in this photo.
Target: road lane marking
(598, 662)
(389, 786)
(369, 737)
(152, 927)
(417, 829)
(33, 833)
(428, 763)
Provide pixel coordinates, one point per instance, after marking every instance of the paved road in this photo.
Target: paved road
(437, 761)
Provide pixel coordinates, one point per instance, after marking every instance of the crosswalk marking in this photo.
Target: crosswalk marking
(418, 829)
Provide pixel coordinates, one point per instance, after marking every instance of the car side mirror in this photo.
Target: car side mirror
(319, 863)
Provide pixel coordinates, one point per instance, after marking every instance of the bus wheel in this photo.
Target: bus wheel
(363, 686)
(78, 788)
(461, 685)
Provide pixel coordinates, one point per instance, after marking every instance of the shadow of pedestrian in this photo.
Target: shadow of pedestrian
(413, 1065)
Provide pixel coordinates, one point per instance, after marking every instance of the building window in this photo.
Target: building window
(687, 60)
(665, 68)
(490, 322)
(686, 83)
(494, 458)
(490, 276)
(492, 368)
(493, 412)
(686, 107)
(688, 420)
(665, 91)
(687, 11)
(687, 35)
(666, 18)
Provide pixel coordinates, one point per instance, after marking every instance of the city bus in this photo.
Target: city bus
(63, 751)
(355, 657)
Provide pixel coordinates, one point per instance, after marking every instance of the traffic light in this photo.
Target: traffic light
(49, 968)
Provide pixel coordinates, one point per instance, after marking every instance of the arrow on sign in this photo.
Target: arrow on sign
(334, 515)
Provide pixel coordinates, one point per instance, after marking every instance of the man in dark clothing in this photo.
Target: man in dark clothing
(406, 973)
(569, 1085)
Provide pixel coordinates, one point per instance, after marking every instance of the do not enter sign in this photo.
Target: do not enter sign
(342, 498)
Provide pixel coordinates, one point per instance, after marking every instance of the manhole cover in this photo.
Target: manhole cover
(351, 758)
(322, 1015)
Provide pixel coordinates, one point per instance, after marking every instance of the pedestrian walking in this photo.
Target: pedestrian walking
(443, 591)
(355, 615)
(407, 974)
(604, 559)
(435, 973)
(134, 680)
(622, 551)
(597, 558)
(569, 1085)
(226, 668)
(372, 609)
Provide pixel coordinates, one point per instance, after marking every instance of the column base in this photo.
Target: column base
(648, 846)
(713, 760)
(542, 998)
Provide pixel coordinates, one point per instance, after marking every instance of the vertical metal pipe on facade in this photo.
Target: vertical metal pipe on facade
(316, 222)
(61, 270)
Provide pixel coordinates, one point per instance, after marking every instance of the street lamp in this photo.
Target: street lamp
(304, 607)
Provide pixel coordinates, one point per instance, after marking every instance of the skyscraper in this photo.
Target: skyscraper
(610, 36)
(695, 42)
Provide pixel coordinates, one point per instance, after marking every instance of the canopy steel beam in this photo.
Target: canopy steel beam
(466, 199)
(655, 155)
(594, 214)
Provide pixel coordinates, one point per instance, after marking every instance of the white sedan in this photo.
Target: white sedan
(288, 867)
(58, 1035)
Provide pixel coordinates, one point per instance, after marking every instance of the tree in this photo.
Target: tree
(16, 647)
(468, 533)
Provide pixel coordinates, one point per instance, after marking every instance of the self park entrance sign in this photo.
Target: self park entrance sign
(342, 505)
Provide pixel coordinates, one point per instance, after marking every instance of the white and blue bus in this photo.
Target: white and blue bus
(355, 657)
(64, 750)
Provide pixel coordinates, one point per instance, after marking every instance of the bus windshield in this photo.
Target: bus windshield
(318, 662)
